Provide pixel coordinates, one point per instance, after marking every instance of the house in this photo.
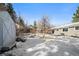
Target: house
(67, 29)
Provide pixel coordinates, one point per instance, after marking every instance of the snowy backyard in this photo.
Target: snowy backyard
(39, 29)
(36, 46)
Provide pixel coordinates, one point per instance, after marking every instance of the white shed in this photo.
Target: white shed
(7, 30)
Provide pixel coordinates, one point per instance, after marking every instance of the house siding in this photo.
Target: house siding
(71, 30)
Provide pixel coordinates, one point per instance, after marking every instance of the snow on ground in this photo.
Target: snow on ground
(43, 49)
(57, 46)
(66, 53)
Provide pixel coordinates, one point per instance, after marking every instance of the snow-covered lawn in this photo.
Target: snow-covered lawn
(56, 46)
(43, 49)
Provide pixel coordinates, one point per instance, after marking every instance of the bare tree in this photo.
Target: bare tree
(44, 25)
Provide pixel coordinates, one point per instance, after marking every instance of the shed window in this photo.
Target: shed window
(77, 28)
(65, 29)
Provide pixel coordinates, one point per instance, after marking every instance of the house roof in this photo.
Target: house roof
(66, 25)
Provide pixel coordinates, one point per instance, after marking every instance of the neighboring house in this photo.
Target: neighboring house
(67, 29)
(19, 26)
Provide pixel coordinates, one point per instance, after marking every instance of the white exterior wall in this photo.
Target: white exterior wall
(71, 31)
(76, 32)
(57, 32)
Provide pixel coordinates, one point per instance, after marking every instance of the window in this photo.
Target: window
(52, 31)
(77, 28)
(65, 29)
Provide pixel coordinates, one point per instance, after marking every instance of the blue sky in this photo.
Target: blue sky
(58, 13)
